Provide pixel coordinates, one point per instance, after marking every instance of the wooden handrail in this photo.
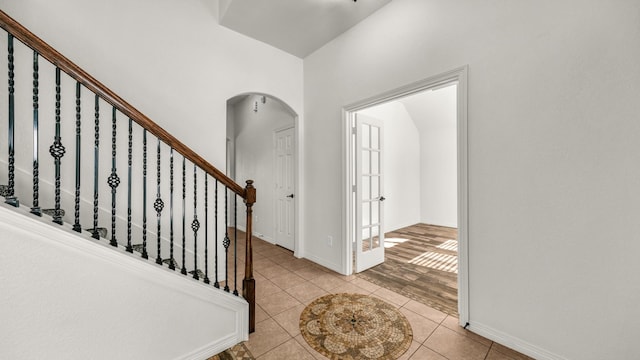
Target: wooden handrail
(248, 193)
(46, 51)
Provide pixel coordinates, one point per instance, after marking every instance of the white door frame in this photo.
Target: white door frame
(459, 75)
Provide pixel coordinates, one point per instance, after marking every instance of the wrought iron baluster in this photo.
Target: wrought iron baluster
(172, 261)
(10, 197)
(158, 205)
(35, 208)
(195, 224)
(76, 225)
(144, 195)
(235, 244)
(129, 158)
(184, 239)
(226, 242)
(57, 150)
(216, 283)
(206, 230)
(114, 179)
(96, 163)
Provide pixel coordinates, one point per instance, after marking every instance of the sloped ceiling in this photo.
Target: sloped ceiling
(298, 27)
(425, 108)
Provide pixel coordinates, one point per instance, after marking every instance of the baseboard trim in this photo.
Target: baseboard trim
(259, 236)
(329, 265)
(513, 342)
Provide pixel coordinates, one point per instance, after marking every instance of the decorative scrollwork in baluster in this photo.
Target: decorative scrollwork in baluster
(96, 162)
(184, 239)
(195, 224)
(172, 261)
(144, 255)
(57, 151)
(129, 161)
(158, 205)
(76, 224)
(226, 242)
(206, 230)
(35, 208)
(114, 179)
(10, 197)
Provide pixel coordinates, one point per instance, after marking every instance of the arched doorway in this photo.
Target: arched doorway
(262, 146)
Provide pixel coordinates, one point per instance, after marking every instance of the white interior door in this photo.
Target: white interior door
(285, 191)
(369, 193)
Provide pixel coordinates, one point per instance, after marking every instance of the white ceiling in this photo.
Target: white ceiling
(298, 27)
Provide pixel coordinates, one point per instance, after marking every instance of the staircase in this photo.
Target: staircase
(131, 204)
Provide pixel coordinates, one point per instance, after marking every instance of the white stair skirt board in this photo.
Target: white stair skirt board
(65, 293)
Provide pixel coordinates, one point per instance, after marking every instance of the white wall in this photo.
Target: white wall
(168, 58)
(554, 194)
(434, 113)
(68, 297)
(401, 156)
(254, 156)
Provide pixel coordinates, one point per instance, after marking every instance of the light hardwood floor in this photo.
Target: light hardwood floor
(421, 262)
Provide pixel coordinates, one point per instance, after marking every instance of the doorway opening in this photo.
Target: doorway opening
(406, 166)
(262, 146)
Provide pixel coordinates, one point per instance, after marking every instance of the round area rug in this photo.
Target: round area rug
(354, 326)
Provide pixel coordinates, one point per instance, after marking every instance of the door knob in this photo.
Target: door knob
(382, 198)
(290, 196)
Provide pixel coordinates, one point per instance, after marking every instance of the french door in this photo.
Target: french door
(369, 190)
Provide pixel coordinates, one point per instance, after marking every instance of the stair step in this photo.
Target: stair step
(170, 261)
(199, 272)
(137, 247)
(102, 232)
(52, 212)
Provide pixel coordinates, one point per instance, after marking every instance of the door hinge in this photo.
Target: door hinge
(353, 130)
(353, 188)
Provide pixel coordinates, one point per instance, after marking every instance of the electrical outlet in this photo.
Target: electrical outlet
(330, 241)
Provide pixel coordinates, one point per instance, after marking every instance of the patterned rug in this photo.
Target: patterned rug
(238, 352)
(354, 326)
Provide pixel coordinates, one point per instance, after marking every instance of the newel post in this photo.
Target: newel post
(249, 283)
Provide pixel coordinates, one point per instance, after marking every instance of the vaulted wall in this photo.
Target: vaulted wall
(553, 157)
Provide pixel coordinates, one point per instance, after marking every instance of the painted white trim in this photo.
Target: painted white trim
(323, 262)
(463, 196)
(210, 349)
(258, 235)
(23, 222)
(459, 75)
(514, 343)
(347, 208)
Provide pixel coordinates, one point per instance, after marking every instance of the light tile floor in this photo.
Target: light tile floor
(285, 285)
